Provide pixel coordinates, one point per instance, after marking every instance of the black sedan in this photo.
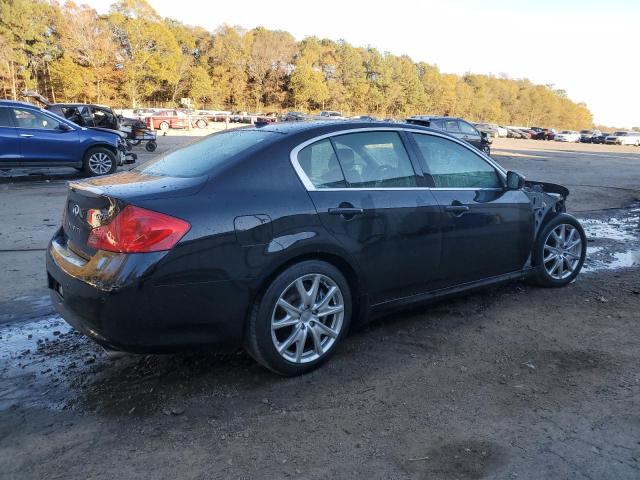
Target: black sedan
(281, 238)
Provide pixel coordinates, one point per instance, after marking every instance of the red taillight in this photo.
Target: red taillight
(136, 230)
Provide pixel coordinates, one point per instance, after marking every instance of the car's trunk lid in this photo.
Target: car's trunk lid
(97, 201)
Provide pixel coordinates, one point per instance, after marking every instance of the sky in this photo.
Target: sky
(587, 48)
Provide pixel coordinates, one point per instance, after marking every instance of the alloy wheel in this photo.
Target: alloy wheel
(307, 318)
(100, 163)
(562, 251)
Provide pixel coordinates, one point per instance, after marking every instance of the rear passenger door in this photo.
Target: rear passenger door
(369, 196)
(487, 230)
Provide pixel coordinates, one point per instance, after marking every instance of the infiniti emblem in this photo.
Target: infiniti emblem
(76, 209)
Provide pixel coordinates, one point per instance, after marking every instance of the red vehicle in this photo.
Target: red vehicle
(167, 119)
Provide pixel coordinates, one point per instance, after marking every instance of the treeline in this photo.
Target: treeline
(133, 57)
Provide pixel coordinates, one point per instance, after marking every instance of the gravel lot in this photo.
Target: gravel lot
(511, 382)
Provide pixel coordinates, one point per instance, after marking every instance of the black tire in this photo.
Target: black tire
(258, 336)
(151, 146)
(94, 167)
(201, 123)
(542, 276)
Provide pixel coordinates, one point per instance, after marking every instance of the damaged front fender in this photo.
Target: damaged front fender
(547, 199)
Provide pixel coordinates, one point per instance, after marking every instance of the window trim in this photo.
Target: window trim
(311, 188)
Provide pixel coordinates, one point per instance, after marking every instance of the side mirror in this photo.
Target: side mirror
(64, 127)
(515, 181)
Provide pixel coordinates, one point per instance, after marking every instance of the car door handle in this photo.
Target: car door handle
(456, 209)
(346, 211)
(26, 135)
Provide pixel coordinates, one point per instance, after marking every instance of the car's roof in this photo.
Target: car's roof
(14, 103)
(322, 127)
(432, 117)
(78, 105)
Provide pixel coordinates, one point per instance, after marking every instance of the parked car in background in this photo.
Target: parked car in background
(366, 218)
(492, 129)
(457, 127)
(166, 119)
(294, 117)
(587, 136)
(143, 113)
(539, 133)
(623, 138)
(34, 137)
(515, 133)
(567, 136)
(214, 115)
(600, 138)
(364, 118)
(329, 115)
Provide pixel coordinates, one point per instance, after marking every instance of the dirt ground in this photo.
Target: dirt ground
(514, 382)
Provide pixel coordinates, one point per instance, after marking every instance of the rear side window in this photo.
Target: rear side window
(321, 166)
(5, 120)
(201, 157)
(454, 166)
(374, 160)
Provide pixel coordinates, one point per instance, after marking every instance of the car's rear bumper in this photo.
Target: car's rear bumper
(114, 299)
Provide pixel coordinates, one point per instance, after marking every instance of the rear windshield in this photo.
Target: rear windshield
(201, 157)
(619, 134)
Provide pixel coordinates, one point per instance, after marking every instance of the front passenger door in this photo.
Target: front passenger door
(487, 230)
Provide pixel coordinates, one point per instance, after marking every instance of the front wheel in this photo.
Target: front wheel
(559, 251)
(164, 126)
(302, 316)
(99, 161)
(201, 124)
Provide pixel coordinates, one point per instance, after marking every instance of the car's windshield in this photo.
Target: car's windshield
(201, 157)
(585, 131)
(619, 134)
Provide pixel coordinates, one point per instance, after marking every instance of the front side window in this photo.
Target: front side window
(26, 118)
(468, 129)
(451, 126)
(453, 166)
(374, 160)
(321, 166)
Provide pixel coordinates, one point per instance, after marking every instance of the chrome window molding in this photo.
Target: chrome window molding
(312, 188)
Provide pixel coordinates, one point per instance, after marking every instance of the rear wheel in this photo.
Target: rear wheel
(302, 316)
(99, 161)
(559, 251)
(201, 123)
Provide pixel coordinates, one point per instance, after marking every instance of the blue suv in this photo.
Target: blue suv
(33, 137)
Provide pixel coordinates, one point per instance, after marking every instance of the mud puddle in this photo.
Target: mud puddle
(613, 240)
(39, 362)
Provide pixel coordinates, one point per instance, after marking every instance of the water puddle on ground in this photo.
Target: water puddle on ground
(613, 240)
(39, 361)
